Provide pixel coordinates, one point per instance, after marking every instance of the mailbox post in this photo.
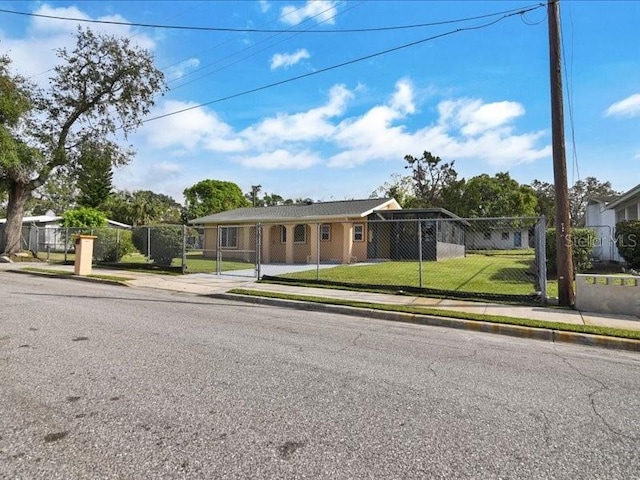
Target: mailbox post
(84, 254)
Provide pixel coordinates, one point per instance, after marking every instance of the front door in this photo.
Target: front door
(517, 239)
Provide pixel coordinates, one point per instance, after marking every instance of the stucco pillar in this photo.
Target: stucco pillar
(266, 243)
(347, 242)
(313, 242)
(289, 227)
(245, 232)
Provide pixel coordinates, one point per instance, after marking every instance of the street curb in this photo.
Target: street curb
(70, 277)
(549, 335)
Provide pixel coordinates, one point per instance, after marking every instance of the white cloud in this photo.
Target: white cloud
(178, 71)
(286, 60)
(197, 128)
(35, 56)
(474, 117)
(629, 107)
(402, 99)
(280, 159)
(319, 10)
(306, 126)
(465, 129)
(264, 6)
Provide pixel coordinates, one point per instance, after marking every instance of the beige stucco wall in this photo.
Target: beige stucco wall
(330, 251)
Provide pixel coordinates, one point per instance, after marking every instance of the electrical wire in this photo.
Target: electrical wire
(569, 88)
(343, 64)
(351, 7)
(258, 30)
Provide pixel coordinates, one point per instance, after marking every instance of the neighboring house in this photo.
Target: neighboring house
(393, 234)
(603, 220)
(602, 215)
(497, 237)
(49, 234)
(342, 232)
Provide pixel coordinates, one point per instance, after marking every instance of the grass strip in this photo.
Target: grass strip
(524, 322)
(63, 273)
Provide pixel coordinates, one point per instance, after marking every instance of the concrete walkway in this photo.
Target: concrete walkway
(207, 284)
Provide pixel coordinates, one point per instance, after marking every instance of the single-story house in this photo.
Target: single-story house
(49, 234)
(602, 215)
(289, 231)
(341, 232)
(496, 237)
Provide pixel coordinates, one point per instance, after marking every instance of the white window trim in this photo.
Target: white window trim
(361, 225)
(328, 239)
(222, 245)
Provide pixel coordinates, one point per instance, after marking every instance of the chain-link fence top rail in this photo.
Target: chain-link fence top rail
(484, 258)
(472, 258)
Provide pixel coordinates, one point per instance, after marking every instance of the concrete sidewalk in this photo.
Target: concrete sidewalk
(208, 284)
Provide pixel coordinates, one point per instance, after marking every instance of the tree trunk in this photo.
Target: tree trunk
(12, 232)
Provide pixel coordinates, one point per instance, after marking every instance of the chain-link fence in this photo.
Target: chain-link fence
(491, 258)
(476, 257)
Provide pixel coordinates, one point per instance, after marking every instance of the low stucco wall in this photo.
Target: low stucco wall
(608, 294)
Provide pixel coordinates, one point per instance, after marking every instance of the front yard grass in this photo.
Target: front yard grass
(510, 274)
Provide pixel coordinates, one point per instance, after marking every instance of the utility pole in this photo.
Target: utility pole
(566, 295)
(254, 193)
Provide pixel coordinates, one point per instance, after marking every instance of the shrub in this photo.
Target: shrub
(628, 242)
(166, 242)
(112, 244)
(582, 240)
(84, 217)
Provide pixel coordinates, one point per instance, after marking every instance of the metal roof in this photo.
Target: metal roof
(626, 196)
(314, 211)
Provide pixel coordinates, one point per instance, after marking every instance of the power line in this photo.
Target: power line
(344, 64)
(294, 33)
(259, 30)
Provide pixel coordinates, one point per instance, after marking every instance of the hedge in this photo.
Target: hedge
(628, 241)
(165, 242)
(112, 244)
(582, 239)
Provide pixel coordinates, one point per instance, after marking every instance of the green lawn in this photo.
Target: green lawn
(477, 273)
(196, 262)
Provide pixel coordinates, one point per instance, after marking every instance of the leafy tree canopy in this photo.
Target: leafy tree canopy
(212, 196)
(84, 217)
(142, 207)
(103, 87)
(497, 196)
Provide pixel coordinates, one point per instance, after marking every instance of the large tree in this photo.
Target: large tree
(95, 171)
(142, 207)
(579, 195)
(497, 196)
(101, 88)
(212, 196)
(435, 183)
(584, 190)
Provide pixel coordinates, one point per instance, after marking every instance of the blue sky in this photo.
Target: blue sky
(479, 97)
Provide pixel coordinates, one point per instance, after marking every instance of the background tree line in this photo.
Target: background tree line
(435, 183)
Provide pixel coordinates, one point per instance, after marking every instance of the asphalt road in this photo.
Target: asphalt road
(100, 381)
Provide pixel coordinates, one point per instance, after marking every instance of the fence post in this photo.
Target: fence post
(258, 249)
(148, 244)
(184, 249)
(66, 243)
(420, 252)
(218, 252)
(541, 256)
(318, 233)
